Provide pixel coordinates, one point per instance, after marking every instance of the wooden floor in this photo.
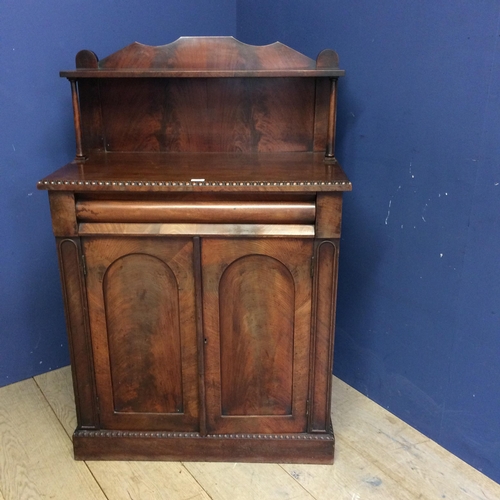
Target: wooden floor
(377, 457)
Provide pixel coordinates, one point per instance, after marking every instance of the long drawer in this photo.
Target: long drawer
(217, 212)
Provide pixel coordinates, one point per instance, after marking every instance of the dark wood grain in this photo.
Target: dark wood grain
(95, 74)
(262, 329)
(208, 53)
(327, 58)
(187, 172)
(278, 448)
(75, 305)
(225, 197)
(204, 56)
(86, 59)
(92, 129)
(77, 121)
(332, 120)
(256, 337)
(210, 115)
(200, 334)
(142, 318)
(328, 215)
(325, 286)
(144, 343)
(322, 100)
(196, 94)
(201, 211)
(62, 209)
(188, 229)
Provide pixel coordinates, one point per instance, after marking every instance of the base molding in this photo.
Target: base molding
(191, 446)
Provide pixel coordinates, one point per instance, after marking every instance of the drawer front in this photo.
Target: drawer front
(243, 212)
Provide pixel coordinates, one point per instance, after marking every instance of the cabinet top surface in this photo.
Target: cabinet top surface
(275, 172)
(191, 57)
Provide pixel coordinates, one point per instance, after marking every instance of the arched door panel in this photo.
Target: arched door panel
(144, 342)
(257, 314)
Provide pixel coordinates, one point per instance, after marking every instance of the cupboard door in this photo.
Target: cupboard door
(256, 316)
(142, 319)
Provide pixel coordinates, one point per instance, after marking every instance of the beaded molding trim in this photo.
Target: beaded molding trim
(188, 183)
(163, 435)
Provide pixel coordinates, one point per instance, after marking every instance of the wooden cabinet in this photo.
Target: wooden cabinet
(197, 231)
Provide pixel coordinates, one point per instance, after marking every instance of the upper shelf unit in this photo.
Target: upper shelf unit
(204, 95)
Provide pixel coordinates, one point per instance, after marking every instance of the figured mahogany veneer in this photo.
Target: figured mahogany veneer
(197, 211)
(186, 172)
(198, 231)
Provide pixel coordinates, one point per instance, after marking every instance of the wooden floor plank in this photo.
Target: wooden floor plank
(146, 481)
(35, 452)
(57, 387)
(402, 453)
(119, 480)
(377, 457)
(352, 476)
(230, 481)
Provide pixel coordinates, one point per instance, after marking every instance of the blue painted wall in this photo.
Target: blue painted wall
(419, 136)
(37, 39)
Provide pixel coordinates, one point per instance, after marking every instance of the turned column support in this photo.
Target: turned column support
(332, 118)
(77, 120)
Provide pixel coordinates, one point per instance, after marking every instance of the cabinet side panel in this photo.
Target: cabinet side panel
(323, 328)
(62, 210)
(328, 215)
(78, 333)
(142, 317)
(256, 336)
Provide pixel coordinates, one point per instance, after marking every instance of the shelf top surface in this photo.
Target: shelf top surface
(186, 73)
(159, 172)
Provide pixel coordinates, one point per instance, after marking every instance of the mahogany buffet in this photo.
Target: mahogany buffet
(198, 235)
